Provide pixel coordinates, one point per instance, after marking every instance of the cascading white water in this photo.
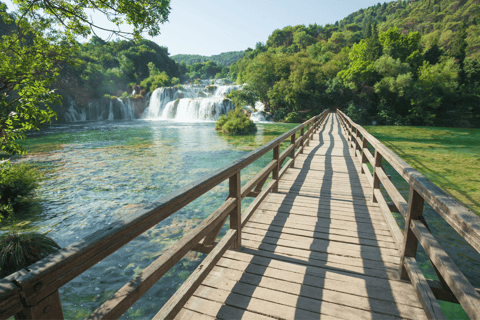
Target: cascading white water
(190, 102)
(72, 114)
(258, 116)
(103, 109)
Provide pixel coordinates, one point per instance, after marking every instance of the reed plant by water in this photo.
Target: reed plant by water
(19, 250)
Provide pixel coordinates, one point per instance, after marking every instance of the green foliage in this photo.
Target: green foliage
(26, 78)
(244, 97)
(293, 117)
(17, 182)
(235, 122)
(156, 78)
(20, 250)
(224, 59)
(41, 39)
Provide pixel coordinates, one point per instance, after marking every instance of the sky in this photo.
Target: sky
(209, 27)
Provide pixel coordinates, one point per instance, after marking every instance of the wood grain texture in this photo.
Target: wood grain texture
(425, 295)
(458, 283)
(181, 296)
(132, 291)
(465, 222)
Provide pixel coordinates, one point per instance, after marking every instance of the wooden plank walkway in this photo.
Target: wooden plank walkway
(317, 249)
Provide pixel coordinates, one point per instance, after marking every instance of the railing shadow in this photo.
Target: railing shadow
(271, 238)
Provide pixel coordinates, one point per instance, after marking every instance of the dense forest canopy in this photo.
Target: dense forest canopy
(223, 59)
(404, 62)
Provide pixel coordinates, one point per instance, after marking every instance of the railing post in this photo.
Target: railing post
(235, 216)
(48, 308)
(302, 139)
(308, 135)
(276, 156)
(292, 154)
(364, 156)
(410, 241)
(376, 181)
(357, 146)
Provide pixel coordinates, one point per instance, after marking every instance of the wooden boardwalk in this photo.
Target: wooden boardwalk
(317, 249)
(318, 241)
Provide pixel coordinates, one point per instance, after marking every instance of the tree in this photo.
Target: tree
(433, 54)
(44, 41)
(374, 49)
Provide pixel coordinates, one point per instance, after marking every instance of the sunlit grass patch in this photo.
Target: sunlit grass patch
(449, 157)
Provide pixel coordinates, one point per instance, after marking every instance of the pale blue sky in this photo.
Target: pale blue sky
(209, 27)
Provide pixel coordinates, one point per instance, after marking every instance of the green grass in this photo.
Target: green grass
(449, 157)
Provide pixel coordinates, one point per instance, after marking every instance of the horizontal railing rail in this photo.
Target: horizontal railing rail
(33, 292)
(453, 285)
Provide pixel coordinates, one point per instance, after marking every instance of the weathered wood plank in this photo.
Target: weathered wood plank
(258, 178)
(465, 222)
(10, 300)
(219, 310)
(258, 200)
(458, 283)
(334, 221)
(391, 222)
(384, 255)
(241, 259)
(410, 242)
(132, 291)
(394, 194)
(308, 235)
(283, 290)
(244, 271)
(181, 296)
(234, 187)
(360, 234)
(425, 295)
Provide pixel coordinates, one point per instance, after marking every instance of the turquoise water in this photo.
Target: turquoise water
(100, 172)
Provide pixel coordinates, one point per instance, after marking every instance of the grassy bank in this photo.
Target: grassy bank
(449, 157)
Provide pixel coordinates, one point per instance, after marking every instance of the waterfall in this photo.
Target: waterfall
(204, 102)
(259, 115)
(72, 114)
(103, 109)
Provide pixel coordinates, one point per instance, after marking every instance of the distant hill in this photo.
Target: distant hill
(225, 59)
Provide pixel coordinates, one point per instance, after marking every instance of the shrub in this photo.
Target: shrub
(19, 250)
(196, 81)
(16, 183)
(280, 114)
(113, 97)
(106, 96)
(235, 122)
(124, 95)
(179, 87)
(293, 117)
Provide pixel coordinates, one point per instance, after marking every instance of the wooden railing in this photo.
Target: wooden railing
(33, 293)
(453, 285)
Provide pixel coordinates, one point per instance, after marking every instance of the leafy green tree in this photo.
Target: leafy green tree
(435, 84)
(43, 41)
(373, 49)
(433, 54)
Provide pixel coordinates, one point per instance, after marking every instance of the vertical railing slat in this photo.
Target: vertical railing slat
(235, 216)
(410, 242)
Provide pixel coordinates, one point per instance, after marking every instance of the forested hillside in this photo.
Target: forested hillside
(405, 62)
(224, 59)
(114, 67)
